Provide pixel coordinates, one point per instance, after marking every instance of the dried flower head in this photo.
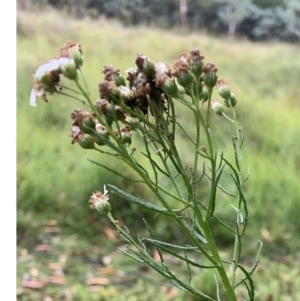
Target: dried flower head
(181, 70)
(75, 134)
(99, 201)
(46, 79)
(100, 128)
(141, 60)
(71, 50)
(210, 74)
(124, 134)
(181, 65)
(131, 77)
(196, 62)
(217, 107)
(163, 74)
(79, 116)
(162, 68)
(109, 90)
(223, 88)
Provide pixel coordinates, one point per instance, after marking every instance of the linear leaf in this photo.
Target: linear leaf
(141, 202)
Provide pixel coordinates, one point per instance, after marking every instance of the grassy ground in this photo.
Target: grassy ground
(65, 251)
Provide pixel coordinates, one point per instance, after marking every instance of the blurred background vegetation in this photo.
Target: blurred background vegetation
(66, 251)
(254, 19)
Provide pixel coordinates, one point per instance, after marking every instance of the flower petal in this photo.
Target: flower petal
(46, 68)
(33, 98)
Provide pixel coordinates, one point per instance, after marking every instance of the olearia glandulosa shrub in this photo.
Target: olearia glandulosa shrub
(146, 103)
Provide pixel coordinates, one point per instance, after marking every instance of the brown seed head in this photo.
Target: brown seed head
(209, 68)
(131, 76)
(67, 48)
(102, 105)
(106, 88)
(78, 116)
(141, 60)
(76, 134)
(110, 73)
(181, 65)
(195, 56)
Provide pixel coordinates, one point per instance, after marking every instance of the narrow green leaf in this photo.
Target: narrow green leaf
(193, 232)
(244, 203)
(157, 247)
(175, 254)
(151, 160)
(251, 283)
(141, 202)
(236, 154)
(141, 167)
(247, 175)
(212, 205)
(161, 243)
(131, 256)
(156, 165)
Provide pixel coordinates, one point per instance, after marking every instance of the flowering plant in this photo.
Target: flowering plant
(148, 105)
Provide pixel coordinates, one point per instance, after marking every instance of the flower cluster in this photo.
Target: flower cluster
(150, 86)
(146, 90)
(87, 130)
(47, 78)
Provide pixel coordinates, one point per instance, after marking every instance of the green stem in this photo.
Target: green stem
(237, 246)
(204, 223)
(72, 96)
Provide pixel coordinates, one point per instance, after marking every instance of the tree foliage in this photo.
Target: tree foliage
(255, 19)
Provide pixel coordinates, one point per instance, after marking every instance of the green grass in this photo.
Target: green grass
(55, 178)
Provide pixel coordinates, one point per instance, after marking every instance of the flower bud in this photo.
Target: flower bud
(196, 62)
(224, 91)
(145, 65)
(204, 95)
(102, 130)
(132, 75)
(124, 135)
(134, 123)
(210, 76)
(185, 80)
(108, 90)
(77, 56)
(167, 84)
(217, 107)
(86, 142)
(127, 94)
(181, 71)
(68, 68)
(119, 81)
(231, 101)
(149, 69)
(112, 74)
(99, 201)
(72, 50)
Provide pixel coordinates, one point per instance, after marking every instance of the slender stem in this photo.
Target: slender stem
(84, 79)
(204, 221)
(176, 218)
(237, 246)
(71, 96)
(71, 89)
(208, 106)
